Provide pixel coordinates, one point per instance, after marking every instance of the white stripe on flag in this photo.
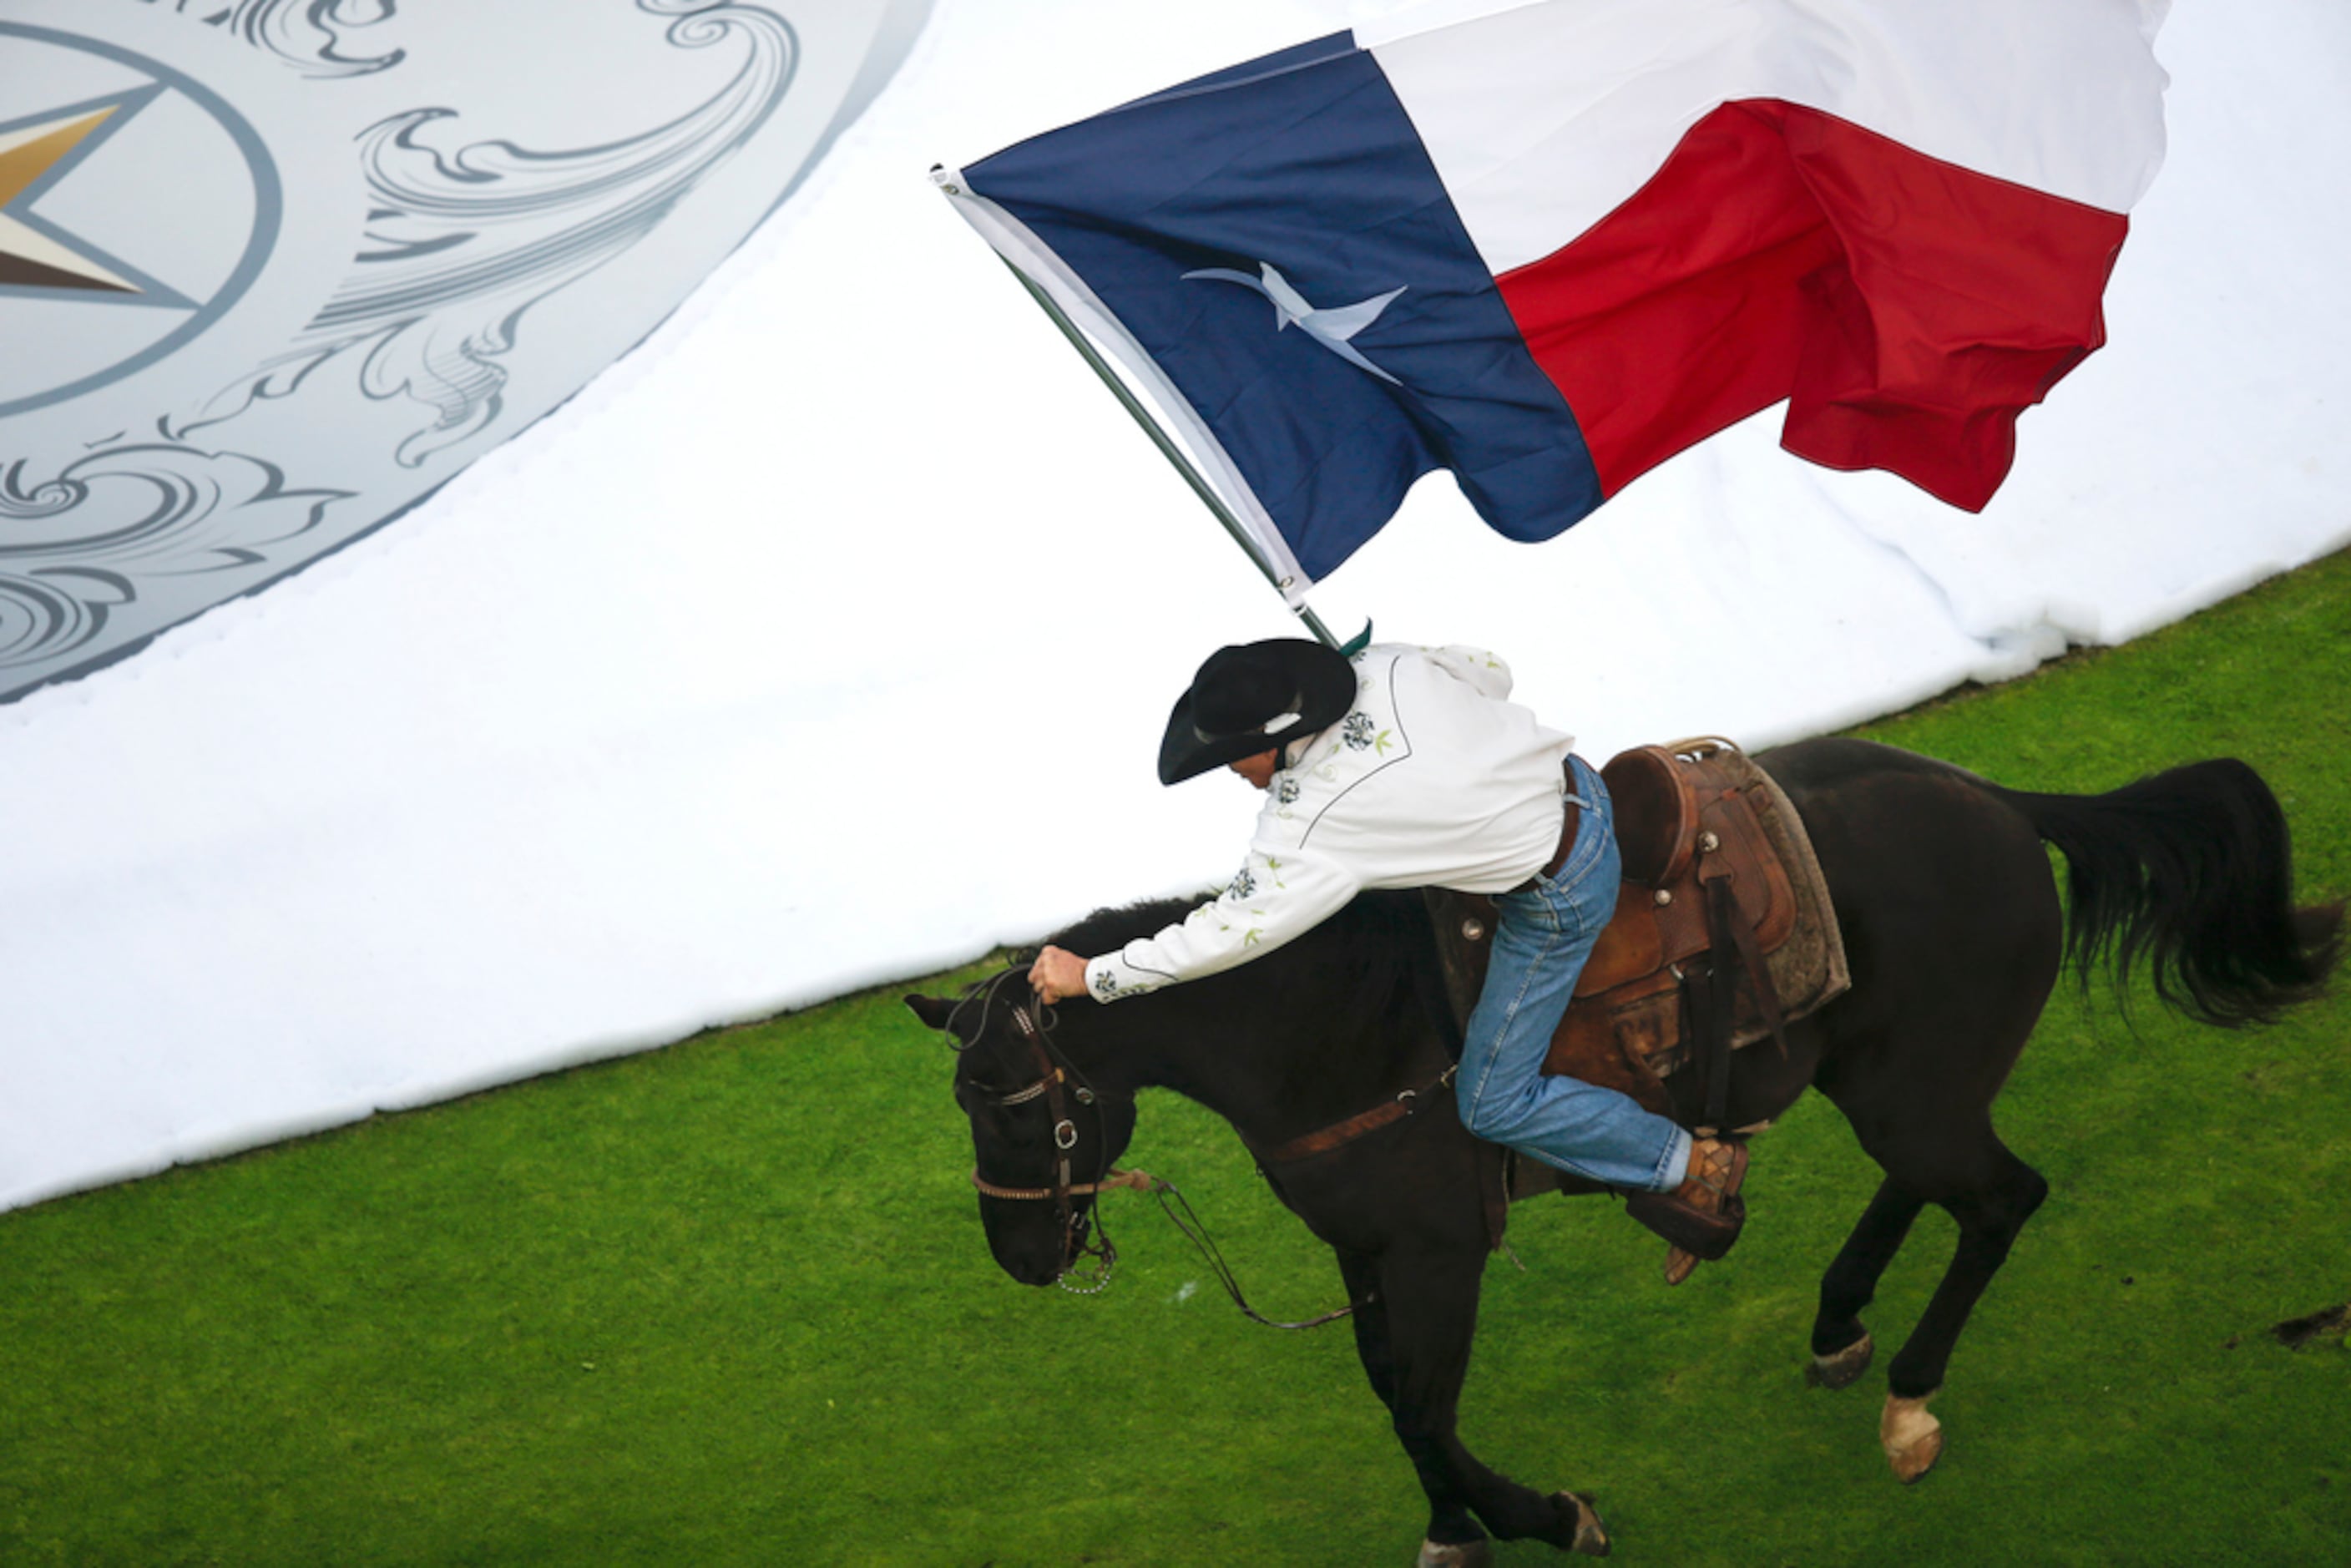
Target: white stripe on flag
(1545, 119)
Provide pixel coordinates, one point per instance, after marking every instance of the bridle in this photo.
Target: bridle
(1058, 1083)
(1065, 1138)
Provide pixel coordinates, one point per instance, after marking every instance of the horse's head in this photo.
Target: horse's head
(1042, 1136)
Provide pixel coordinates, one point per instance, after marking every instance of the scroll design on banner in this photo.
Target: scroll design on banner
(305, 34)
(127, 515)
(461, 244)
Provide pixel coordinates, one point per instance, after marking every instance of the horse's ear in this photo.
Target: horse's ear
(934, 1011)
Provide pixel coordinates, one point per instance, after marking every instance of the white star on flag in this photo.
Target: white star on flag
(1332, 327)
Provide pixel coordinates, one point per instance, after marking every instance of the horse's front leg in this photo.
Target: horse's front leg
(1454, 1536)
(1417, 1312)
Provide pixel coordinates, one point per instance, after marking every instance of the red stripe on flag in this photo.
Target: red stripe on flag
(1907, 309)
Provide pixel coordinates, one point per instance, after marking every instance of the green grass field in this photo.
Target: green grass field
(729, 1302)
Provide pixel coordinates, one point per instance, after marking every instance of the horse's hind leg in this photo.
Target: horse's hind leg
(1989, 1213)
(1842, 1347)
(1992, 1197)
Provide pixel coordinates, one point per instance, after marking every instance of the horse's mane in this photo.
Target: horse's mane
(1114, 925)
(1357, 959)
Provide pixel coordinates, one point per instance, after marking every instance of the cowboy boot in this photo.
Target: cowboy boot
(1701, 1218)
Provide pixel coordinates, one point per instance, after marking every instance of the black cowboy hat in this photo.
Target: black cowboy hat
(1251, 698)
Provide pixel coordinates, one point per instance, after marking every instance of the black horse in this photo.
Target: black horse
(1955, 936)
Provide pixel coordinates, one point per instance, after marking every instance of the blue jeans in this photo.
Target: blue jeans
(1546, 932)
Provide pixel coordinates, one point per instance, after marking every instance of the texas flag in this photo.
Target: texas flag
(1548, 245)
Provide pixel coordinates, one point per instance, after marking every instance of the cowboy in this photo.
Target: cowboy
(1407, 767)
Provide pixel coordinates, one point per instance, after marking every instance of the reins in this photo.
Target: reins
(1189, 1225)
(1035, 1022)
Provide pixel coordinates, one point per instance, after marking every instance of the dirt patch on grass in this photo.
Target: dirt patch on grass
(2296, 1332)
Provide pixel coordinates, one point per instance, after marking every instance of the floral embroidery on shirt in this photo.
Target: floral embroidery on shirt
(1287, 791)
(1361, 734)
(1107, 987)
(1242, 885)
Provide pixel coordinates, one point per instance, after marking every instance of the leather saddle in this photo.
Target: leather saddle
(1702, 954)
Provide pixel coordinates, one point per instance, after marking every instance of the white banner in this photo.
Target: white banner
(826, 639)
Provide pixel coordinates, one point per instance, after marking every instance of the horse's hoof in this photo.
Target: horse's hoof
(1591, 1535)
(1912, 1438)
(1469, 1554)
(1841, 1368)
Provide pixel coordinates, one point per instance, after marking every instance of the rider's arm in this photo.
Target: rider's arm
(1274, 898)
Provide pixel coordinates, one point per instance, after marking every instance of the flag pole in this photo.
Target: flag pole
(1166, 444)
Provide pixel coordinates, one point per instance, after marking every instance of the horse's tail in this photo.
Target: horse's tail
(2190, 871)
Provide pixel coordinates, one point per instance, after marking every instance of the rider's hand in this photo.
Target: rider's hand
(1058, 973)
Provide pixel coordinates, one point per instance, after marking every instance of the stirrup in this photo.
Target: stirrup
(1701, 1219)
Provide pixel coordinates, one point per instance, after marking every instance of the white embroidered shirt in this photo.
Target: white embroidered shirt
(1431, 779)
